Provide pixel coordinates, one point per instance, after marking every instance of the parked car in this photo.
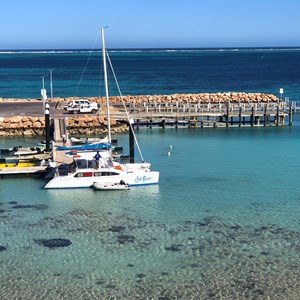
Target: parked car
(82, 106)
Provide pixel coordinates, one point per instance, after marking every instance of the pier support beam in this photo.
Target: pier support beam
(265, 116)
(240, 116)
(162, 123)
(227, 114)
(290, 116)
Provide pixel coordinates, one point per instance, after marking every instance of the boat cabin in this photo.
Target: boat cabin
(81, 163)
(87, 168)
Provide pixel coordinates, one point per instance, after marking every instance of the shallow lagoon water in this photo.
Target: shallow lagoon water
(222, 224)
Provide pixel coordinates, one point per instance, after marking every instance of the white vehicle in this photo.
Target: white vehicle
(82, 106)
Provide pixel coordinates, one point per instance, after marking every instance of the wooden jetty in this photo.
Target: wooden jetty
(208, 114)
(37, 171)
(53, 155)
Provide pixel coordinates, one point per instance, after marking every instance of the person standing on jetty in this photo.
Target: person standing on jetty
(64, 139)
(97, 158)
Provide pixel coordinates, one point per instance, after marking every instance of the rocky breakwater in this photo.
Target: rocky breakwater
(80, 124)
(89, 124)
(188, 98)
(22, 126)
(234, 97)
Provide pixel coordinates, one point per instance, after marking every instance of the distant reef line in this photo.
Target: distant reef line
(187, 98)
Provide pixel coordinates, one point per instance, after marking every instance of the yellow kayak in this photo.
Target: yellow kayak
(17, 163)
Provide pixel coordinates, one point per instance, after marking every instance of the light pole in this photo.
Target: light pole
(47, 126)
(281, 93)
(43, 91)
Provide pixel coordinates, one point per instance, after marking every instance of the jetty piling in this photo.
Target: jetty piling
(201, 115)
(290, 115)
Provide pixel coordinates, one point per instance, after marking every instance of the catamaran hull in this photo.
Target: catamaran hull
(136, 179)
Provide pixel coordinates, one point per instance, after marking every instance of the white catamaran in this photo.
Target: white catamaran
(83, 172)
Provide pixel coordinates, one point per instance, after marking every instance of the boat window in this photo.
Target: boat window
(105, 173)
(81, 163)
(87, 174)
(79, 175)
(110, 162)
(72, 167)
(91, 164)
(84, 174)
(63, 170)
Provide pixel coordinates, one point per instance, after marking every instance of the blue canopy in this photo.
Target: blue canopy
(94, 146)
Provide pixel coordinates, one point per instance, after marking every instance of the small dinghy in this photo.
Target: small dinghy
(110, 186)
(87, 140)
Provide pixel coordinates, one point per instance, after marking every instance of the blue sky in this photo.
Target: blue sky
(67, 24)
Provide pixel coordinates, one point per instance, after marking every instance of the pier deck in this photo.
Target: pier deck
(23, 172)
(207, 114)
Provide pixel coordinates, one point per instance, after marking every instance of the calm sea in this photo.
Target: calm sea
(222, 224)
(140, 72)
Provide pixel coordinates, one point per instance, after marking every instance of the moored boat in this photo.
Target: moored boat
(8, 151)
(110, 186)
(86, 140)
(84, 171)
(21, 151)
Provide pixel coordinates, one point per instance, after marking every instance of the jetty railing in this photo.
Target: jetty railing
(208, 114)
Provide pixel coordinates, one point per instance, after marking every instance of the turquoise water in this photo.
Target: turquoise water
(222, 224)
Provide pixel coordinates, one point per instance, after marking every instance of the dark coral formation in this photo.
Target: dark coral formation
(2, 248)
(34, 206)
(53, 243)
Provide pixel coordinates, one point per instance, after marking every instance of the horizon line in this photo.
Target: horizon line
(152, 48)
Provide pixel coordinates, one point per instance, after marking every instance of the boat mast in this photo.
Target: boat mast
(106, 84)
